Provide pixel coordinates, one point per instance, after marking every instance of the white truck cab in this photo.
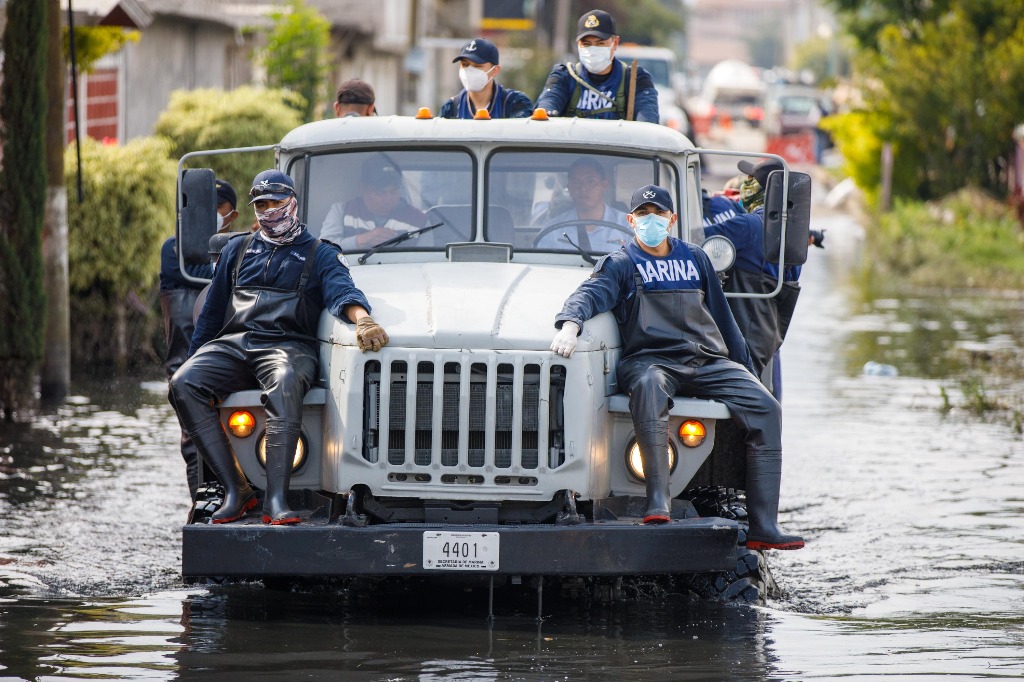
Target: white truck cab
(466, 445)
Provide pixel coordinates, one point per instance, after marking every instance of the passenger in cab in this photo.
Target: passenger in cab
(379, 213)
(599, 85)
(679, 338)
(257, 329)
(355, 97)
(588, 185)
(478, 68)
(178, 297)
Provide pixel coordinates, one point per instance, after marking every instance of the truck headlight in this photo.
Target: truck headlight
(635, 464)
(297, 461)
(692, 433)
(721, 251)
(241, 423)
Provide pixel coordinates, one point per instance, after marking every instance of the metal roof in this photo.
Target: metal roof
(556, 132)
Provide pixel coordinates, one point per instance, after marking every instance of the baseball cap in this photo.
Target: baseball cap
(225, 192)
(651, 194)
(479, 51)
(355, 91)
(596, 23)
(381, 172)
(761, 170)
(271, 184)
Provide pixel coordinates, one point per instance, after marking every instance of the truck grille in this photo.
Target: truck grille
(506, 415)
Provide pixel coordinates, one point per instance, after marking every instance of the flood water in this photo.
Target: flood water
(914, 518)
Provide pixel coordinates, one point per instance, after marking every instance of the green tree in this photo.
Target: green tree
(214, 119)
(22, 204)
(114, 239)
(296, 54)
(92, 43)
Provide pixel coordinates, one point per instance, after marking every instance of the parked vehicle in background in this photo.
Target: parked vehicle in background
(792, 109)
(670, 83)
(735, 92)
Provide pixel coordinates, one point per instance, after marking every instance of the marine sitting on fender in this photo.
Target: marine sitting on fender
(679, 338)
(257, 329)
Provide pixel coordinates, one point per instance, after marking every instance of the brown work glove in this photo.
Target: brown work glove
(370, 335)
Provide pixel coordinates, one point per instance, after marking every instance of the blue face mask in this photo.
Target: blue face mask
(651, 229)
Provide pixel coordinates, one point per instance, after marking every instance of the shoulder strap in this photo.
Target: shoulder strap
(587, 85)
(310, 259)
(238, 259)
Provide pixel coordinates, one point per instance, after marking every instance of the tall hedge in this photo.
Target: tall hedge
(22, 203)
(114, 239)
(214, 119)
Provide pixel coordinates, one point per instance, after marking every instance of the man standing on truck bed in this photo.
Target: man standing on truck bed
(599, 86)
(257, 329)
(679, 338)
(478, 67)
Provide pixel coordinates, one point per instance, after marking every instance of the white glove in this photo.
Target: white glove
(565, 340)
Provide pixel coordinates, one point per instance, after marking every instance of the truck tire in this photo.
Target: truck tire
(751, 582)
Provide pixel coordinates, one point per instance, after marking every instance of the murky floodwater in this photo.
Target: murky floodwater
(914, 519)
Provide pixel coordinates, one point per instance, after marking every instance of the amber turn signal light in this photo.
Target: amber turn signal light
(424, 112)
(482, 115)
(241, 423)
(539, 114)
(692, 433)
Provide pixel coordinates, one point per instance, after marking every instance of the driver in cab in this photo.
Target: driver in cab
(379, 213)
(588, 185)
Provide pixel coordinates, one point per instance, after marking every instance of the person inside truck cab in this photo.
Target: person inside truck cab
(379, 213)
(599, 85)
(478, 67)
(258, 329)
(679, 338)
(588, 186)
(178, 297)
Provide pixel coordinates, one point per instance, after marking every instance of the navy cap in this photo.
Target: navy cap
(596, 23)
(272, 184)
(225, 193)
(379, 171)
(479, 51)
(761, 170)
(651, 194)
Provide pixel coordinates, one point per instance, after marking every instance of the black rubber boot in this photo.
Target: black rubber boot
(281, 442)
(652, 438)
(191, 457)
(764, 476)
(216, 450)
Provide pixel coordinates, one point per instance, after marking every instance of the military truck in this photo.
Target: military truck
(466, 448)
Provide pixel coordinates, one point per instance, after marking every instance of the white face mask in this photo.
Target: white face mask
(474, 79)
(596, 58)
(220, 222)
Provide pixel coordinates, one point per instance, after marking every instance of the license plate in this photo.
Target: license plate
(447, 551)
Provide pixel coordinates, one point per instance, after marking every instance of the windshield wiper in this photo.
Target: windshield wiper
(397, 239)
(586, 256)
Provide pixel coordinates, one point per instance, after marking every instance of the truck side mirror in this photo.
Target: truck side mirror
(798, 223)
(197, 221)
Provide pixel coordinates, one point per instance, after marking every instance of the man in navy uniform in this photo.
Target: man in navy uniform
(599, 86)
(178, 298)
(478, 68)
(679, 338)
(257, 329)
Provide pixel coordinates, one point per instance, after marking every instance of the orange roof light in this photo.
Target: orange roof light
(539, 114)
(424, 112)
(482, 115)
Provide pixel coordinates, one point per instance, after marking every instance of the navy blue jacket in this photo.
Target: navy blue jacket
(612, 285)
(505, 103)
(170, 273)
(266, 265)
(560, 86)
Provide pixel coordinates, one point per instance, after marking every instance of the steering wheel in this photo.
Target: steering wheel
(566, 223)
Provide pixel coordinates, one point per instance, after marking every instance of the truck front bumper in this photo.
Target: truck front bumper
(249, 549)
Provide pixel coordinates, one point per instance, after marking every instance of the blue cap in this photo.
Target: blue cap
(651, 194)
(272, 184)
(226, 193)
(479, 51)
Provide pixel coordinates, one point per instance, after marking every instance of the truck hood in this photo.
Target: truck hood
(507, 306)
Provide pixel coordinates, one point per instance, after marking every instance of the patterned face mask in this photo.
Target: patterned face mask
(751, 193)
(280, 225)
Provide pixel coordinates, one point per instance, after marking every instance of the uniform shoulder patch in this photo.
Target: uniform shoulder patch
(337, 247)
(599, 266)
(343, 260)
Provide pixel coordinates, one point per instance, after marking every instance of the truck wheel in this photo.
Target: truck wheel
(751, 582)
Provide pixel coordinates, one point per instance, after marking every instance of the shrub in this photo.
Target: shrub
(114, 239)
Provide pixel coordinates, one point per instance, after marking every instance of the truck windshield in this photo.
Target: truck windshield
(556, 201)
(361, 199)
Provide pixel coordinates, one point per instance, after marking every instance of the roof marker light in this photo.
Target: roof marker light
(539, 114)
(482, 115)
(424, 112)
